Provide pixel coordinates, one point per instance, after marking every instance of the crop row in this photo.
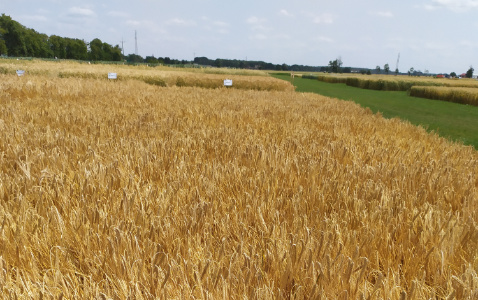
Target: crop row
(393, 83)
(204, 78)
(451, 94)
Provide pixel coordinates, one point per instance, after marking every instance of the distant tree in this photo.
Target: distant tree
(334, 66)
(469, 73)
(386, 68)
(76, 49)
(58, 46)
(218, 63)
(107, 52)
(151, 60)
(116, 54)
(363, 71)
(133, 58)
(203, 61)
(347, 70)
(3, 47)
(369, 72)
(396, 71)
(96, 50)
(452, 74)
(13, 36)
(411, 71)
(378, 70)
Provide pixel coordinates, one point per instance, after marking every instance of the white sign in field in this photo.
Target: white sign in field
(20, 72)
(227, 82)
(112, 76)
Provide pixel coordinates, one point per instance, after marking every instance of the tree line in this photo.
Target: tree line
(19, 41)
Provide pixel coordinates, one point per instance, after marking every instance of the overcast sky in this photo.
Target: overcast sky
(434, 35)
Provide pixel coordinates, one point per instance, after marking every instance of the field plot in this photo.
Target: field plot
(451, 94)
(127, 189)
(392, 83)
(160, 76)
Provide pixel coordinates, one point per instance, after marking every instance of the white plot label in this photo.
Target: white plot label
(20, 72)
(227, 82)
(112, 76)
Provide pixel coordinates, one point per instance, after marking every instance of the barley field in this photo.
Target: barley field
(160, 75)
(392, 82)
(123, 189)
(451, 94)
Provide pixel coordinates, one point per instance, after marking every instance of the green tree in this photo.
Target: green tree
(3, 48)
(133, 58)
(452, 74)
(96, 50)
(151, 60)
(13, 37)
(386, 68)
(378, 70)
(469, 73)
(334, 66)
(76, 49)
(116, 54)
(58, 46)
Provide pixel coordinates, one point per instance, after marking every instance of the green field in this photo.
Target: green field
(457, 122)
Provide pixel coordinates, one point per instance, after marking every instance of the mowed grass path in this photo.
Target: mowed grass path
(457, 122)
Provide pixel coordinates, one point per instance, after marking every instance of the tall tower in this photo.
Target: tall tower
(398, 60)
(135, 42)
(122, 45)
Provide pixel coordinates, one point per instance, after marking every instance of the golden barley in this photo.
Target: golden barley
(128, 189)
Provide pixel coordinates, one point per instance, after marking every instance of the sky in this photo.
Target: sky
(435, 35)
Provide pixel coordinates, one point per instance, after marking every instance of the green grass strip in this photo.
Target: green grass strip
(454, 121)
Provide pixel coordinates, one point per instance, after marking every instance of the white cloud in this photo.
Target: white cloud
(454, 5)
(258, 24)
(285, 13)
(325, 39)
(133, 23)
(324, 18)
(255, 20)
(38, 18)
(118, 14)
(181, 22)
(220, 24)
(258, 36)
(385, 14)
(466, 43)
(79, 12)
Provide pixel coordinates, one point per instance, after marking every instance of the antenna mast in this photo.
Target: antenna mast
(398, 60)
(122, 45)
(135, 42)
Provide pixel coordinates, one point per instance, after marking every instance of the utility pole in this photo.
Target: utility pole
(398, 60)
(136, 43)
(122, 45)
